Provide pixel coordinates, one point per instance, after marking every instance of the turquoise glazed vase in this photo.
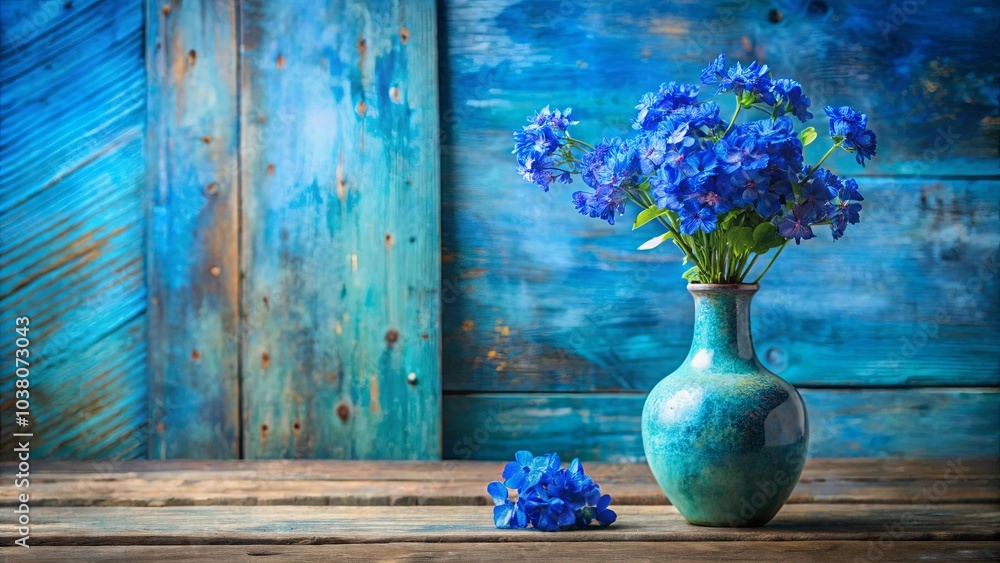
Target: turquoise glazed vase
(725, 438)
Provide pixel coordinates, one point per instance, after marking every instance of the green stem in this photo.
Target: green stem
(733, 120)
(573, 141)
(769, 264)
(746, 271)
(821, 161)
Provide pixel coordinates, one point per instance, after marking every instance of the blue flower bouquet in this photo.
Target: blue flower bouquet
(549, 497)
(725, 193)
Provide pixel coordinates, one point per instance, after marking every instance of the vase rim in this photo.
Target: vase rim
(729, 287)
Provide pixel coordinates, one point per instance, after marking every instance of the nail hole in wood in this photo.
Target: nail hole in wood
(774, 16)
(391, 336)
(343, 411)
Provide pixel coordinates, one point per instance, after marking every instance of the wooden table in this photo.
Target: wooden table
(859, 509)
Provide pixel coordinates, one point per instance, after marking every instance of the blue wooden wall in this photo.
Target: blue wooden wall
(239, 227)
(72, 117)
(557, 327)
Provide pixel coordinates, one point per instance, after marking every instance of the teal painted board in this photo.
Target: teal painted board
(72, 121)
(909, 297)
(193, 243)
(926, 77)
(949, 423)
(340, 230)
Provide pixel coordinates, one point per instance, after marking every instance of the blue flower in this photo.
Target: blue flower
(604, 203)
(788, 98)
(741, 151)
(845, 120)
(796, 225)
(655, 107)
(613, 164)
(754, 188)
(821, 188)
(603, 514)
(549, 497)
(557, 120)
(849, 191)
(527, 470)
(862, 143)
(714, 71)
(694, 219)
(851, 127)
(842, 214)
(714, 194)
(506, 514)
(667, 190)
(753, 79)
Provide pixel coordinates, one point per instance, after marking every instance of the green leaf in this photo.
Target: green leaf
(647, 215)
(691, 275)
(655, 241)
(766, 237)
(763, 232)
(807, 135)
(740, 238)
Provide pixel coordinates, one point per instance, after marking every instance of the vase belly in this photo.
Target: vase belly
(725, 438)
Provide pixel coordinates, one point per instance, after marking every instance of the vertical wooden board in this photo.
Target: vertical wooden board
(72, 117)
(193, 246)
(948, 423)
(340, 230)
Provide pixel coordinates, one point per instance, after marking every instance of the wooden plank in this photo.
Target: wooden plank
(804, 551)
(193, 246)
(209, 490)
(287, 525)
(836, 470)
(72, 115)
(842, 423)
(502, 64)
(922, 310)
(341, 236)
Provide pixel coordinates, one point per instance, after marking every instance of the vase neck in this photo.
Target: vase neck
(721, 324)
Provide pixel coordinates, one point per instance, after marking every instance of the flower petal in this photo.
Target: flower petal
(523, 457)
(604, 503)
(498, 492)
(510, 469)
(502, 514)
(606, 517)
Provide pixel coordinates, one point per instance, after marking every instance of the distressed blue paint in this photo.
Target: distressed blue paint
(725, 438)
(193, 249)
(546, 300)
(72, 116)
(341, 237)
(897, 423)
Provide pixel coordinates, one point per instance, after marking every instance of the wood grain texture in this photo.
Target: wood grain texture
(921, 308)
(72, 117)
(505, 59)
(193, 245)
(341, 236)
(945, 423)
(799, 551)
(816, 470)
(366, 483)
(288, 525)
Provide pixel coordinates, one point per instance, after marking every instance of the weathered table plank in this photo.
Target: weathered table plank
(803, 551)
(345, 483)
(817, 469)
(289, 525)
